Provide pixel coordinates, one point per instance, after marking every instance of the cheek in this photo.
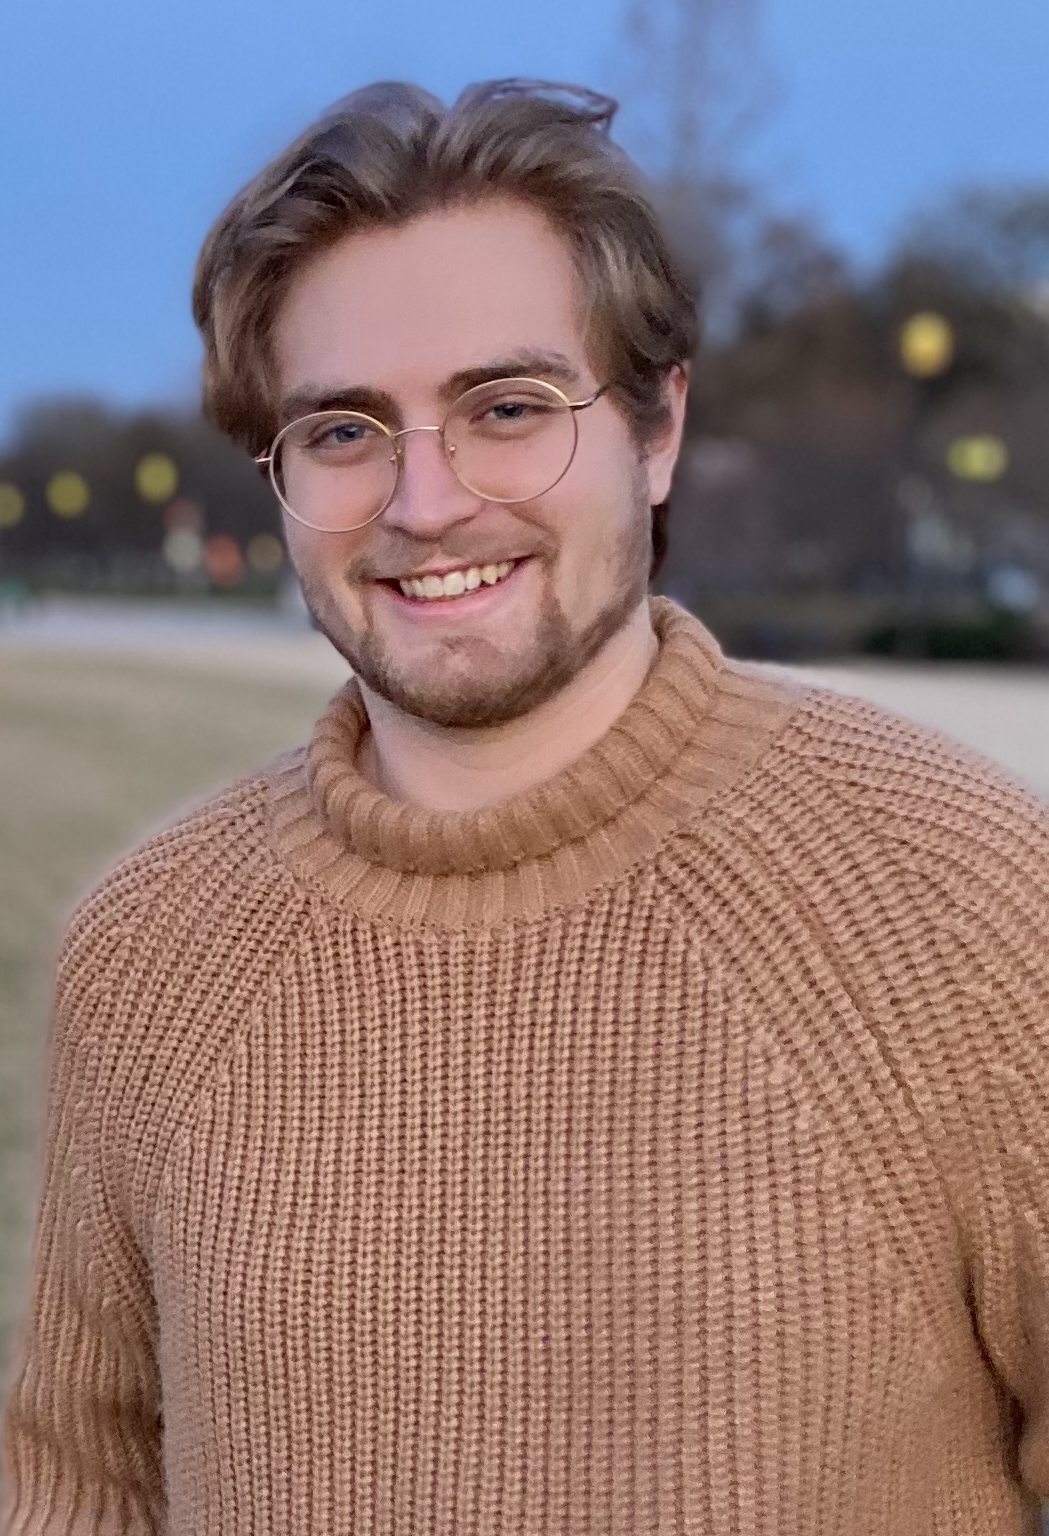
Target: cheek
(319, 558)
(606, 494)
(592, 521)
(324, 563)
(303, 545)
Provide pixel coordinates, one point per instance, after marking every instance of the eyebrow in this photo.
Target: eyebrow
(529, 363)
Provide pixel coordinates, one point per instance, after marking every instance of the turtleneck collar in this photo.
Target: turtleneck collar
(693, 725)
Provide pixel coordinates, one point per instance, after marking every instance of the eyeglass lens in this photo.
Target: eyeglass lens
(507, 441)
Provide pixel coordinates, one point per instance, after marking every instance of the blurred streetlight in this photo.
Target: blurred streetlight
(926, 345)
(68, 493)
(980, 457)
(156, 477)
(930, 546)
(12, 505)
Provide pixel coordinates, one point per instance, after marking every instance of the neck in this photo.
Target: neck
(442, 769)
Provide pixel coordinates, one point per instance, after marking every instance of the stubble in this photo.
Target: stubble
(481, 685)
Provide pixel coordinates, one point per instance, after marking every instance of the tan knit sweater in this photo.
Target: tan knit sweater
(664, 1152)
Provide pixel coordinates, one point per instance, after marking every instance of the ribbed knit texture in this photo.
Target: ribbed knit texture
(664, 1151)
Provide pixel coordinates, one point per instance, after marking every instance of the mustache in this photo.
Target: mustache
(412, 555)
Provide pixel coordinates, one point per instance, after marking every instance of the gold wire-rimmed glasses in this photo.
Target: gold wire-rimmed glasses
(507, 440)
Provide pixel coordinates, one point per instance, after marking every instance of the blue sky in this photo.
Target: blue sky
(126, 124)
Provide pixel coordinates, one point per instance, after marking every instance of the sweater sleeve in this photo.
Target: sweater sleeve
(986, 1032)
(81, 1432)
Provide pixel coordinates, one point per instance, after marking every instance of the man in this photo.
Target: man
(596, 1087)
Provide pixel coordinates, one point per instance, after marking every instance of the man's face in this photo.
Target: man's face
(391, 319)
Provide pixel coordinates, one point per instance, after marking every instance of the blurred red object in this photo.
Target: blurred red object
(223, 560)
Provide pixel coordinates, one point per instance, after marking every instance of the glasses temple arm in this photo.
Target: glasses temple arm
(581, 405)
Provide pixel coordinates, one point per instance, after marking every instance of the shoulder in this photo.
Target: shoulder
(903, 880)
(166, 966)
(921, 853)
(201, 853)
(879, 831)
(943, 807)
(202, 903)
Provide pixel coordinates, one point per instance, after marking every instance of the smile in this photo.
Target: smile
(432, 588)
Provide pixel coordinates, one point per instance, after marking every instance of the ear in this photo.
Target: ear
(664, 449)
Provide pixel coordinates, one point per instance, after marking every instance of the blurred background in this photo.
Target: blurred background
(863, 201)
(860, 193)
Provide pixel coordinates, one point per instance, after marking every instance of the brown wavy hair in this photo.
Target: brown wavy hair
(390, 152)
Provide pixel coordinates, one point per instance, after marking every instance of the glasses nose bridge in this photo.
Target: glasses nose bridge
(398, 446)
(404, 431)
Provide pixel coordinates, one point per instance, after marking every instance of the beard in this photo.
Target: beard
(481, 685)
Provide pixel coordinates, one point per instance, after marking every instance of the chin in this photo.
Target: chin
(467, 702)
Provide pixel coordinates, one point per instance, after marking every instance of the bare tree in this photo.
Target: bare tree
(698, 88)
(995, 239)
(699, 63)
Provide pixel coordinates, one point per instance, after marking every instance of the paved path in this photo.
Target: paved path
(1001, 711)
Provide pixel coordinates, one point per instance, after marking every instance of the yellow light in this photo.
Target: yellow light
(12, 505)
(927, 345)
(67, 493)
(982, 457)
(265, 553)
(156, 477)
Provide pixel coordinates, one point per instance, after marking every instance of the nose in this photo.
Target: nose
(429, 496)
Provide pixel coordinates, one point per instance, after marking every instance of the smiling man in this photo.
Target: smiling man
(596, 1086)
(457, 341)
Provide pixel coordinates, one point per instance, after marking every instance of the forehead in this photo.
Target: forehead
(404, 308)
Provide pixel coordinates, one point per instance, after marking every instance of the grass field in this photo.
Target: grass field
(95, 753)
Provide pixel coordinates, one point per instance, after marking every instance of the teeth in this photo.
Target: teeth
(455, 583)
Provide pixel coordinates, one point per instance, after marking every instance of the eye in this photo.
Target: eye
(338, 439)
(518, 411)
(518, 407)
(341, 434)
